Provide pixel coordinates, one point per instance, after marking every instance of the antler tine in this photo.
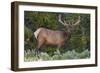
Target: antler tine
(78, 21)
(64, 23)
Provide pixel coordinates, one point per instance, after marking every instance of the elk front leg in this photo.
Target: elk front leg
(58, 49)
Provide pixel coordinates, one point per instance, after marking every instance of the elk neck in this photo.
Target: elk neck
(67, 33)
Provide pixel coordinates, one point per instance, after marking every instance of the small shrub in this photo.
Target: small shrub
(85, 54)
(29, 55)
(44, 56)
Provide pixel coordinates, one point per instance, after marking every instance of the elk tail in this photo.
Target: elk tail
(36, 33)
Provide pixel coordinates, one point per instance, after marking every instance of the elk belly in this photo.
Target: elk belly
(54, 40)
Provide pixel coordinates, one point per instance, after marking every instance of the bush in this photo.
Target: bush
(44, 56)
(85, 54)
(70, 55)
(29, 55)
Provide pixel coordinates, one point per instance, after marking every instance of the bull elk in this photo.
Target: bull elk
(54, 37)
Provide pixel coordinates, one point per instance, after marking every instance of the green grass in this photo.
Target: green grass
(29, 55)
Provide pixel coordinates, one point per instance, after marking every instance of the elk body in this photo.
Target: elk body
(50, 37)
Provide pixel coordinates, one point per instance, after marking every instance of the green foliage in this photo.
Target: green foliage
(70, 55)
(44, 56)
(27, 33)
(85, 54)
(30, 55)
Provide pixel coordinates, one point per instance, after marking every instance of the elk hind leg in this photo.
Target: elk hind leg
(39, 47)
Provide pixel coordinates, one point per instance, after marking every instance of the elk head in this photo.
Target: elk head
(69, 25)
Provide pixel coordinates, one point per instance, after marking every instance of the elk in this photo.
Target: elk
(57, 38)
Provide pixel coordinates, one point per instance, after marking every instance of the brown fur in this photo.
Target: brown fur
(50, 37)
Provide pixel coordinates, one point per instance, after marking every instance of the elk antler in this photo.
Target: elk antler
(78, 21)
(59, 19)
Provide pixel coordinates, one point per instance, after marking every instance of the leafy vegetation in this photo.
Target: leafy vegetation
(30, 55)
